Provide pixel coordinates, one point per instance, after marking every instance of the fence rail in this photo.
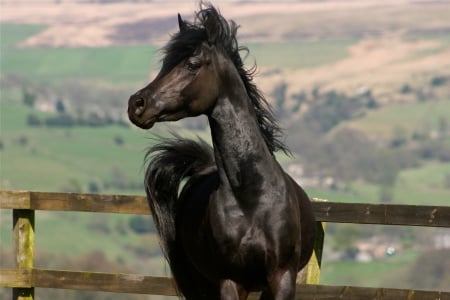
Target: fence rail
(138, 284)
(386, 214)
(24, 278)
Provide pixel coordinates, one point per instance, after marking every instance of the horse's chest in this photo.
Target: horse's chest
(245, 252)
(252, 242)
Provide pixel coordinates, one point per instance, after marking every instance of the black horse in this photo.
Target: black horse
(239, 223)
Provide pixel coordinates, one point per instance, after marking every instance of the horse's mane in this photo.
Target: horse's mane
(184, 43)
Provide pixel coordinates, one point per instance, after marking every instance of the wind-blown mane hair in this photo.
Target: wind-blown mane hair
(184, 44)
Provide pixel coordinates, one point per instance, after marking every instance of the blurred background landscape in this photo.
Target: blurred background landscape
(362, 89)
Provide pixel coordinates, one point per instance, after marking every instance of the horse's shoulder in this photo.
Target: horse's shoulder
(204, 181)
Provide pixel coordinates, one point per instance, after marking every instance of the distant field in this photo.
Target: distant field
(121, 64)
(46, 159)
(417, 186)
(131, 64)
(408, 117)
(298, 55)
(387, 272)
(118, 64)
(12, 34)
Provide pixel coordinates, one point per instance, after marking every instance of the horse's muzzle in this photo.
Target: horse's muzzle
(136, 112)
(137, 105)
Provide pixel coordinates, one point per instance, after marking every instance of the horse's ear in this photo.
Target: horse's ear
(212, 28)
(181, 24)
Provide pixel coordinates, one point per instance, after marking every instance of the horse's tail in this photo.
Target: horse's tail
(169, 163)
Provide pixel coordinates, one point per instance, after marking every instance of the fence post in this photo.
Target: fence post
(23, 226)
(311, 272)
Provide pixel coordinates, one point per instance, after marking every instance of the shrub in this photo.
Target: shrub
(118, 140)
(438, 81)
(22, 141)
(33, 120)
(62, 120)
(406, 89)
(94, 187)
(141, 224)
(28, 98)
(60, 107)
(431, 270)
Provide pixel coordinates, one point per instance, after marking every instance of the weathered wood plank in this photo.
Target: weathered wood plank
(15, 199)
(137, 284)
(387, 214)
(15, 278)
(89, 202)
(106, 282)
(323, 292)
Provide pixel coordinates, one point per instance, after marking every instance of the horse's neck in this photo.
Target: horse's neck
(243, 159)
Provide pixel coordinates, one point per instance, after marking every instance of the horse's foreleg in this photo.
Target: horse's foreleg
(230, 290)
(281, 286)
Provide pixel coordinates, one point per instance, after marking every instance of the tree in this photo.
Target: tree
(28, 98)
(118, 140)
(346, 238)
(61, 120)
(438, 80)
(431, 270)
(279, 96)
(33, 120)
(406, 89)
(141, 224)
(400, 137)
(22, 140)
(60, 107)
(93, 187)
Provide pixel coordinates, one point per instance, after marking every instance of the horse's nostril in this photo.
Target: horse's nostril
(139, 102)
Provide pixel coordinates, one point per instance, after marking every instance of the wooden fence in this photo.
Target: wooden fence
(24, 278)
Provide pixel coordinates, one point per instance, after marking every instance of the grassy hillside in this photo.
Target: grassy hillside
(13, 34)
(382, 273)
(298, 55)
(409, 118)
(50, 158)
(125, 64)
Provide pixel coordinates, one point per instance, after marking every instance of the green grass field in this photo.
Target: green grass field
(298, 55)
(408, 117)
(126, 64)
(386, 272)
(12, 34)
(46, 159)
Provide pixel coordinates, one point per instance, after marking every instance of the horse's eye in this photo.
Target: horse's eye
(193, 66)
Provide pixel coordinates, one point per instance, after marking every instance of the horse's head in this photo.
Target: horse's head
(187, 84)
